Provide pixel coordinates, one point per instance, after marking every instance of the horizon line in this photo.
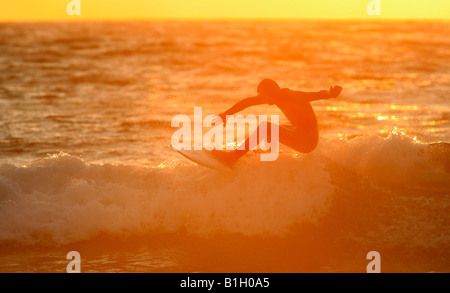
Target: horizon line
(199, 19)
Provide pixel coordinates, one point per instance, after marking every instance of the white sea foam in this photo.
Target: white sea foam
(62, 199)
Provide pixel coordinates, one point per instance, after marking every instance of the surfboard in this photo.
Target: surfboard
(205, 158)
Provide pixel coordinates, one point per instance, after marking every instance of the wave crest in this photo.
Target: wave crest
(350, 185)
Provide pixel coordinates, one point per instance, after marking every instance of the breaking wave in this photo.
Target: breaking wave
(392, 190)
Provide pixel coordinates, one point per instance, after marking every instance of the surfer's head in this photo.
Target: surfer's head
(268, 89)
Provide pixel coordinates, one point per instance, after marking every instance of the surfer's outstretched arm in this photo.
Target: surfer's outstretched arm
(241, 105)
(320, 95)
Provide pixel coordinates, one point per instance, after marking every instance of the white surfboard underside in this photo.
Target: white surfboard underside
(205, 158)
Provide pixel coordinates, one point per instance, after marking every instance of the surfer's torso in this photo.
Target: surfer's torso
(299, 112)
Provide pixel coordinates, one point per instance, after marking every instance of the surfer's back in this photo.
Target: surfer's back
(297, 110)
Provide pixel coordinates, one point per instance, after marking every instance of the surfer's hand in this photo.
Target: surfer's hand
(334, 91)
(221, 118)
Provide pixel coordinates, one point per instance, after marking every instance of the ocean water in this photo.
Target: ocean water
(85, 162)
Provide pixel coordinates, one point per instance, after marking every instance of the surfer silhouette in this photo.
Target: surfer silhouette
(303, 133)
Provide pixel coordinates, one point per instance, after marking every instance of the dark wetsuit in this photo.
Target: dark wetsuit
(303, 134)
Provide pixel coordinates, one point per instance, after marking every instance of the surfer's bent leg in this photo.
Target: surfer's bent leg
(233, 156)
(299, 140)
(303, 142)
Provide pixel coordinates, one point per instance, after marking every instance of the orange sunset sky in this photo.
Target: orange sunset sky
(42, 10)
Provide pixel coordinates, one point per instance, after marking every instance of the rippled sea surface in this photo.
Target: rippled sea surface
(108, 91)
(85, 161)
